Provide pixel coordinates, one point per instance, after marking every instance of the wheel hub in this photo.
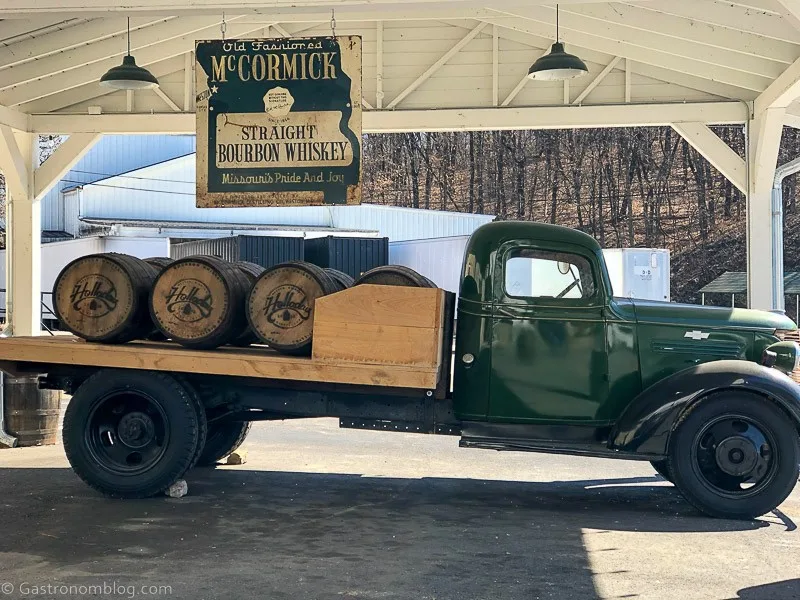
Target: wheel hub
(136, 430)
(737, 456)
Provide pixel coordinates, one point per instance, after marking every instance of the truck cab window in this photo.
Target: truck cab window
(533, 273)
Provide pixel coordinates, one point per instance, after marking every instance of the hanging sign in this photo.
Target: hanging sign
(279, 121)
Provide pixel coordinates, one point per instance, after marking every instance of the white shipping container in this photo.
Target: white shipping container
(439, 259)
(639, 272)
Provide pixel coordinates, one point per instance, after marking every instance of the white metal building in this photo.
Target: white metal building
(162, 196)
(428, 66)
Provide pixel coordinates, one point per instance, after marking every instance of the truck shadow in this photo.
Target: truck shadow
(313, 535)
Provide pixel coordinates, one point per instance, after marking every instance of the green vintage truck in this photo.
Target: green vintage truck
(546, 360)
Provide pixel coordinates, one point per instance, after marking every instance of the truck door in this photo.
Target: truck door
(549, 360)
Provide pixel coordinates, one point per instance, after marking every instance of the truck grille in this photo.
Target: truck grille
(788, 335)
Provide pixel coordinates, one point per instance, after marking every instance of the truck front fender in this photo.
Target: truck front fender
(646, 425)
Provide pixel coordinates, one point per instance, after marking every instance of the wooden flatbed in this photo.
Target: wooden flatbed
(36, 354)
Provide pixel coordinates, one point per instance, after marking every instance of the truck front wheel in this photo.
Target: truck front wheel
(735, 455)
(662, 468)
(132, 434)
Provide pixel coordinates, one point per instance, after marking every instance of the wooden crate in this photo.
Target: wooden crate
(380, 324)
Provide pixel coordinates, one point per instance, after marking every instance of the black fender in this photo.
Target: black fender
(646, 425)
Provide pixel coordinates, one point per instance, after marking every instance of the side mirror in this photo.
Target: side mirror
(564, 267)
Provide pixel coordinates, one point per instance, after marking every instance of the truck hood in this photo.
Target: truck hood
(670, 313)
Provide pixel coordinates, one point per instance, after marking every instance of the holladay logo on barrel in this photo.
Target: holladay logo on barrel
(190, 300)
(93, 296)
(279, 121)
(287, 306)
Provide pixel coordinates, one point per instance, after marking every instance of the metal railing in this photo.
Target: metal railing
(47, 309)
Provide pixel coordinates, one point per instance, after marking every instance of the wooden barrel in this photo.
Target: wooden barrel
(197, 301)
(395, 275)
(252, 271)
(342, 279)
(31, 414)
(158, 263)
(280, 306)
(104, 297)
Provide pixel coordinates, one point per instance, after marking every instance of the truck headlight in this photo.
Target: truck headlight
(784, 356)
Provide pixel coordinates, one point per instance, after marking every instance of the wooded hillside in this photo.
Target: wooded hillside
(641, 186)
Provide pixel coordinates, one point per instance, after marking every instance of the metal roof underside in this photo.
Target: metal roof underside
(419, 58)
(735, 282)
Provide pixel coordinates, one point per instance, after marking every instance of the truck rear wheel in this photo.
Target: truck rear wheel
(132, 434)
(735, 456)
(223, 438)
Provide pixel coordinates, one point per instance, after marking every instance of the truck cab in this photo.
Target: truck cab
(548, 359)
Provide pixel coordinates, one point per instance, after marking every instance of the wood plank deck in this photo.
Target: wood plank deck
(257, 362)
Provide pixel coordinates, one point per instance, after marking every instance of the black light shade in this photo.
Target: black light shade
(557, 65)
(129, 76)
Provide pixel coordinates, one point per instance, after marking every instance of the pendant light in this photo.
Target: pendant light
(129, 75)
(557, 65)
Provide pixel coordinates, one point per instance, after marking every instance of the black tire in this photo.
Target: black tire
(735, 455)
(662, 468)
(223, 438)
(159, 444)
(200, 409)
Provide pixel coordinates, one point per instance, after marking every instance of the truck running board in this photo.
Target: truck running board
(548, 447)
(401, 426)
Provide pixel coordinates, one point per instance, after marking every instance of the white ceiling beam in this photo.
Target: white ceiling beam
(188, 81)
(379, 94)
(15, 119)
(366, 104)
(92, 90)
(654, 53)
(277, 27)
(118, 123)
(167, 100)
(92, 72)
(13, 30)
(716, 151)
(552, 117)
(12, 163)
(791, 120)
(68, 38)
(475, 119)
(375, 8)
(62, 160)
(653, 18)
(730, 15)
(437, 65)
(781, 92)
(791, 11)
(652, 39)
(628, 65)
(495, 65)
(537, 42)
(596, 81)
(115, 47)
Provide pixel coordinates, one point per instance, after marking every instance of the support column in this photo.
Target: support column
(763, 265)
(23, 233)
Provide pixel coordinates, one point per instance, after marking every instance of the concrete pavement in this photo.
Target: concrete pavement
(323, 513)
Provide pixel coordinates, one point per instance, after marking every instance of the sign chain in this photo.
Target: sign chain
(333, 22)
(223, 27)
